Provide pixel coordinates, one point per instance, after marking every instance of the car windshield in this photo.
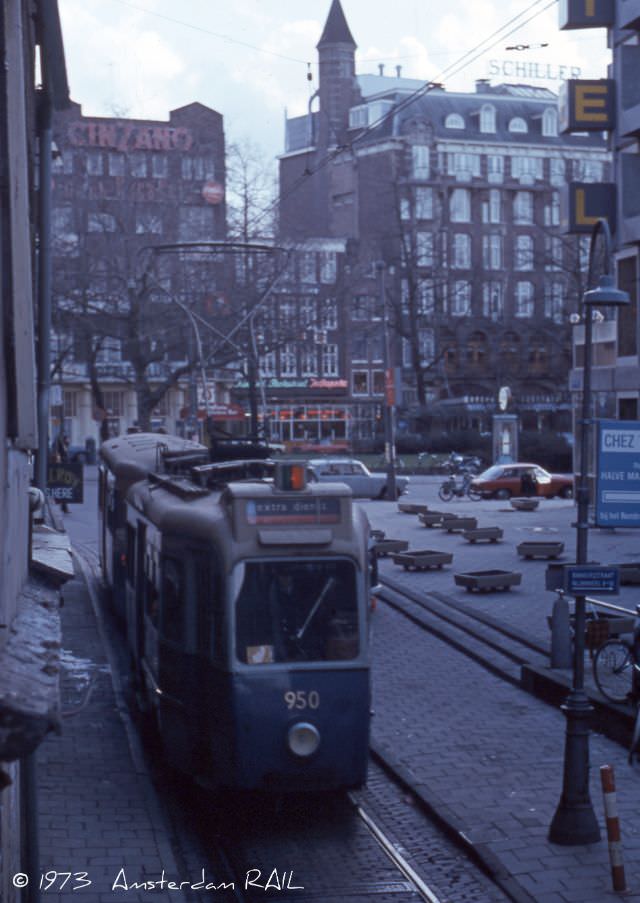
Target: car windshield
(296, 611)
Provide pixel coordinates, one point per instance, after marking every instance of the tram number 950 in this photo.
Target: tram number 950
(300, 699)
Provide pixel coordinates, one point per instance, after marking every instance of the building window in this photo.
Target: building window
(524, 299)
(288, 362)
(426, 297)
(197, 168)
(461, 251)
(148, 222)
(377, 382)
(426, 346)
(424, 249)
(492, 252)
(330, 314)
(523, 208)
(116, 164)
(360, 382)
(454, 121)
(463, 166)
(94, 163)
(308, 266)
(159, 166)
(552, 210)
(359, 348)
(424, 203)
(524, 252)
(113, 403)
(487, 118)
(330, 360)
(587, 170)
(376, 347)
(550, 123)
(268, 364)
(461, 299)
(492, 300)
(495, 168)
(554, 301)
(328, 267)
(518, 125)
(527, 169)
(553, 252)
(556, 171)
(286, 314)
(361, 309)
(70, 404)
(405, 209)
(138, 165)
(420, 161)
(460, 205)
(308, 361)
(196, 223)
(101, 222)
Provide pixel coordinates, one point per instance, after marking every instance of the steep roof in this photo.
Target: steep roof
(336, 30)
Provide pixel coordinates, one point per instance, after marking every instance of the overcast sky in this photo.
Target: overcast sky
(248, 58)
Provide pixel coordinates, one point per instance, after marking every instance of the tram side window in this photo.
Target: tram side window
(172, 600)
(209, 607)
(131, 554)
(150, 590)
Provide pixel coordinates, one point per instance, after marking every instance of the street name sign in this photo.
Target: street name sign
(580, 580)
(617, 501)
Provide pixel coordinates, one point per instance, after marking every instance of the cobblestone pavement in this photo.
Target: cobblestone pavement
(490, 752)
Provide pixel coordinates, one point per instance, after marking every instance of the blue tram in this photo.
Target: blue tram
(247, 615)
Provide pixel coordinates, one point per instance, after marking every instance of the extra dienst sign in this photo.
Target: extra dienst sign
(617, 501)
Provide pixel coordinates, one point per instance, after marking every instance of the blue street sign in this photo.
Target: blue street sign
(580, 580)
(617, 501)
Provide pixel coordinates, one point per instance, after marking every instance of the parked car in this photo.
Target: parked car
(359, 478)
(502, 481)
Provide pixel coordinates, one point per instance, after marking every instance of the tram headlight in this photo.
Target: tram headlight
(303, 739)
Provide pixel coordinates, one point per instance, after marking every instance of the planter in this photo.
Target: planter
(412, 508)
(422, 559)
(525, 504)
(432, 518)
(540, 549)
(385, 547)
(483, 534)
(488, 581)
(458, 524)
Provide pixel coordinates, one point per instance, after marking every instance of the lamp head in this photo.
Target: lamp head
(606, 293)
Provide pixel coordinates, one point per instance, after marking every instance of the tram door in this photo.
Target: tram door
(151, 606)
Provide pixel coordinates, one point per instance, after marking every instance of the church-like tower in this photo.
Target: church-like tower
(338, 89)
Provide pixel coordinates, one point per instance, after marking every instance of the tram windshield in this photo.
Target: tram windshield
(296, 611)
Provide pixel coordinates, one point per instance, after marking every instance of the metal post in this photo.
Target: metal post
(574, 821)
(389, 392)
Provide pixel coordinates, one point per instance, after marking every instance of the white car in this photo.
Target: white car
(359, 478)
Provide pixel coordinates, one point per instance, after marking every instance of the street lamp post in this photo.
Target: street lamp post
(574, 821)
(389, 392)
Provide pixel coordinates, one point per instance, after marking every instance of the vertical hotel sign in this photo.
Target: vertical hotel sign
(587, 105)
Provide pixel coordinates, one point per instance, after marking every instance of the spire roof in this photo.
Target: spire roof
(336, 30)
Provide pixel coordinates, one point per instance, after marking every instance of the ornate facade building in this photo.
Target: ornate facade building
(459, 196)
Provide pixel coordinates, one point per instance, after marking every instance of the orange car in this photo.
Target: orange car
(502, 481)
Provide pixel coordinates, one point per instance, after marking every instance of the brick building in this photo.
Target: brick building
(121, 188)
(459, 195)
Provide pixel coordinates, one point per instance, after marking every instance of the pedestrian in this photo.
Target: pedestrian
(528, 483)
(61, 456)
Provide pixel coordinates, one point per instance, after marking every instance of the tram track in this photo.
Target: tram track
(205, 837)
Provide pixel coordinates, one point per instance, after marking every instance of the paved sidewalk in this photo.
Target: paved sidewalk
(491, 758)
(98, 812)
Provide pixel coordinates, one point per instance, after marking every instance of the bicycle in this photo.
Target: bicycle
(616, 671)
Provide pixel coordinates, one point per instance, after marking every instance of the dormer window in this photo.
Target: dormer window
(487, 118)
(550, 123)
(517, 124)
(454, 121)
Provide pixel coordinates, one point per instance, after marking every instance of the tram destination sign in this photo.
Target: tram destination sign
(314, 510)
(617, 496)
(579, 580)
